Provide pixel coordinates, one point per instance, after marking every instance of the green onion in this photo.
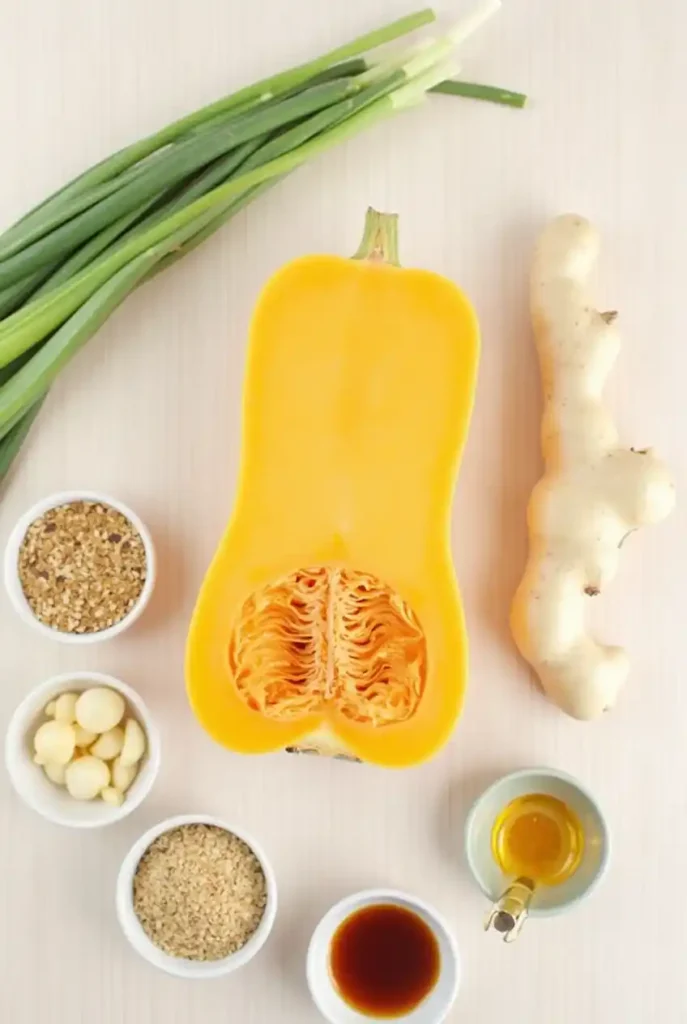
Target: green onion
(67, 264)
(14, 295)
(33, 379)
(27, 326)
(10, 445)
(40, 244)
(474, 91)
(267, 88)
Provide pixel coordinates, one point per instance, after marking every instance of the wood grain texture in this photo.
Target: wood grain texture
(150, 412)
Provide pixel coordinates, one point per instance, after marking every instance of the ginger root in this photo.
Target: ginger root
(593, 492)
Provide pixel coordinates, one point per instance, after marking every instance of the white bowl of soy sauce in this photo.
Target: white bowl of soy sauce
(383, 954)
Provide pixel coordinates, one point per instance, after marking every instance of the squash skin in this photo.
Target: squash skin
(357, 400)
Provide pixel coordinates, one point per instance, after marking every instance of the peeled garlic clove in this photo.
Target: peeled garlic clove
(84, 738)
(55, 772)
(112, 796)
(134, 743)
(99, 709)
(123, 774)
(86, 777)
(65, 707)
(109, 745)
(50, 709)
(54, 742)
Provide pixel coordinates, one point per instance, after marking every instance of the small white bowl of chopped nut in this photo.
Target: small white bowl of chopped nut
(196, 897)
(80, 567)
(82, 750)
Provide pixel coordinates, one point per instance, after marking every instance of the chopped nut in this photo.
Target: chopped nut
(82, 567)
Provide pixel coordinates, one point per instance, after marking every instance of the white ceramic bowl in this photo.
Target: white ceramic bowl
(178, 966)
(432, 1010)
(547, 900)
(11, 568)
(51, 801)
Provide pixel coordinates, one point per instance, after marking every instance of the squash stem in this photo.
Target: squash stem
(380, 238)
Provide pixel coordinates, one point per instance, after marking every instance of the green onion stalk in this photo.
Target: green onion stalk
(69, 263)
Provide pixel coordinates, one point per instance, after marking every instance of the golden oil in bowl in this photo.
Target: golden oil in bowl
(538, 837)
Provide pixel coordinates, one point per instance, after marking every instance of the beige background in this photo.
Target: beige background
(150, 413)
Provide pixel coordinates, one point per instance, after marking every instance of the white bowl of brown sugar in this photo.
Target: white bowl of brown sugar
(196, 897)
(80, 567)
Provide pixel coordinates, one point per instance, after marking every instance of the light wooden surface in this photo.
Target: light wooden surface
(150, 413)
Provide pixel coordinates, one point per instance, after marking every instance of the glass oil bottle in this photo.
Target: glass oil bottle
(536, 840)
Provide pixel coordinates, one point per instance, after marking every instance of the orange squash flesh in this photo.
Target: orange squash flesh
(357, 399)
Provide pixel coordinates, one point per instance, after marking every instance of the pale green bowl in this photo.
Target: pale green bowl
(597, 847)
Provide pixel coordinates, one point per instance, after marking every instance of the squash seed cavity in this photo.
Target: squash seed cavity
(329, 636)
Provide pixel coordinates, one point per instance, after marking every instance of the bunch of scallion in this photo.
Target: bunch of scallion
(67, 264)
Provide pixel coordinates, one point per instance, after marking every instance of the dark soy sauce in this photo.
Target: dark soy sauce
(384, 960)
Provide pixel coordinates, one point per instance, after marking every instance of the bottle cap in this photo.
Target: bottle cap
(508, 914)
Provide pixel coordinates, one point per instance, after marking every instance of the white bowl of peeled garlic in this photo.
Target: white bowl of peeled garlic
(82, 750)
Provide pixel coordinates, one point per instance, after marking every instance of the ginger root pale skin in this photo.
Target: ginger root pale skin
(593, 492)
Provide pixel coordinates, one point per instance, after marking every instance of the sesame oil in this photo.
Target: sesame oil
(538, 837)
(536, 840)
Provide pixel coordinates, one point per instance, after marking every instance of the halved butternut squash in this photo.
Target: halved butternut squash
(330, 618)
